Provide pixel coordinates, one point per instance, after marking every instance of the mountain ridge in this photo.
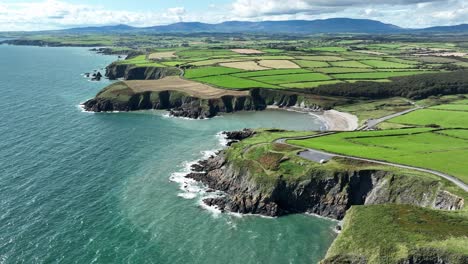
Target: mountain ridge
(331, 25)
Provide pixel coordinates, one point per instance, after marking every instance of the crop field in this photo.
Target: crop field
(420, 147)
(208, 71)
(311, 64)
(278, 64)
(349, 64)
(292, 78)
(376, 75)
(387, 64)
(227, 81)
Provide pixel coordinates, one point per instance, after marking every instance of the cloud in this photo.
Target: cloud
(255, 8)
(55, 14)
(178, 12)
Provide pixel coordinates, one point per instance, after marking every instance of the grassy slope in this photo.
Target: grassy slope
(388, 233)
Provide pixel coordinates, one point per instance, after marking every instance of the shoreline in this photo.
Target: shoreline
(333, 120)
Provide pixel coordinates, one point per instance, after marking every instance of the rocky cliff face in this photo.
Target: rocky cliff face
(131, 72)
(182, 105)
(179, 104)
(327, 194)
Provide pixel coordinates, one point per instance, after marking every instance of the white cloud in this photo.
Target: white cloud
(56, 14)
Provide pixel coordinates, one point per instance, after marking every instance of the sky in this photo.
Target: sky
(29, 15)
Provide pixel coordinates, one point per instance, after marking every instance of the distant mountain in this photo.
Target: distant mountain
(332, 25)
(115, 28)
(457, 28)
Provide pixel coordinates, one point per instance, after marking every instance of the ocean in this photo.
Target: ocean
(79, 187)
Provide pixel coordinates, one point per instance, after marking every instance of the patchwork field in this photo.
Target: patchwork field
(254, 66)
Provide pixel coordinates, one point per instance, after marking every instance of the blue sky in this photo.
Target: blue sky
(57, 14)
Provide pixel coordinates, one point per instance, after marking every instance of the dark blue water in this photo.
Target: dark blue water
(95, 188)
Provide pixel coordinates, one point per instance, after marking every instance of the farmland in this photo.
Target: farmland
(253, 66)
(435, 139)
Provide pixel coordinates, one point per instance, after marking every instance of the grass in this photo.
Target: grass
(231, 82)
(292, 78)
(332, 70)
(311, 64)
(209, 71)
(454, 107)
(425, 117)
(269, 72)
(349, 64)
(420, 147)
(376, 75)
(204, 53)
(390, 233)
(321, 58)
(330, 49)
(141, 61)
(387, 64)
(309, 84)
(375, 108)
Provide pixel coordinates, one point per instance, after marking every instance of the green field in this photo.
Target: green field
(387, 64)
(309, 84)
(376, 75)
(269, 72)
(454, 107)
(209, 71)
(311, 64)
(332, 70)
(443, 118)
(232, 82)
(420, 147)
(141, 61)
(292, 78)
(349, 64)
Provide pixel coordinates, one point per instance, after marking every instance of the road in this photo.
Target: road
(372, 123)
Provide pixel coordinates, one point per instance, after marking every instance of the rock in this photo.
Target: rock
(236, 136)
(97, 76)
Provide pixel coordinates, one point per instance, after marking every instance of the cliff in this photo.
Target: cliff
(389, 215)
(324, 191)
(118, 70)
(179, 97)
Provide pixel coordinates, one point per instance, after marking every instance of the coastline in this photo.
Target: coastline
(333, 120)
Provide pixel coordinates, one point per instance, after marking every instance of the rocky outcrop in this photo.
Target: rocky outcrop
(118, 70)
(326, 193)
(236, 136)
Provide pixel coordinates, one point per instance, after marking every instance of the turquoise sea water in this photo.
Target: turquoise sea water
(95, 188)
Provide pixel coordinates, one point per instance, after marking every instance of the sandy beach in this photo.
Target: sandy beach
(333, 120)
(339, 121)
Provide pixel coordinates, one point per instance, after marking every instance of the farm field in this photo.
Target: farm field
(438, 139)
(420, 147)
(253, 64)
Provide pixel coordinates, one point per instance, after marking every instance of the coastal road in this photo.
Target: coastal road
(372, 123)
(318, 155)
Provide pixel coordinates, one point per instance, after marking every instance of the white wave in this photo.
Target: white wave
(214, 210)
(222, 138)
